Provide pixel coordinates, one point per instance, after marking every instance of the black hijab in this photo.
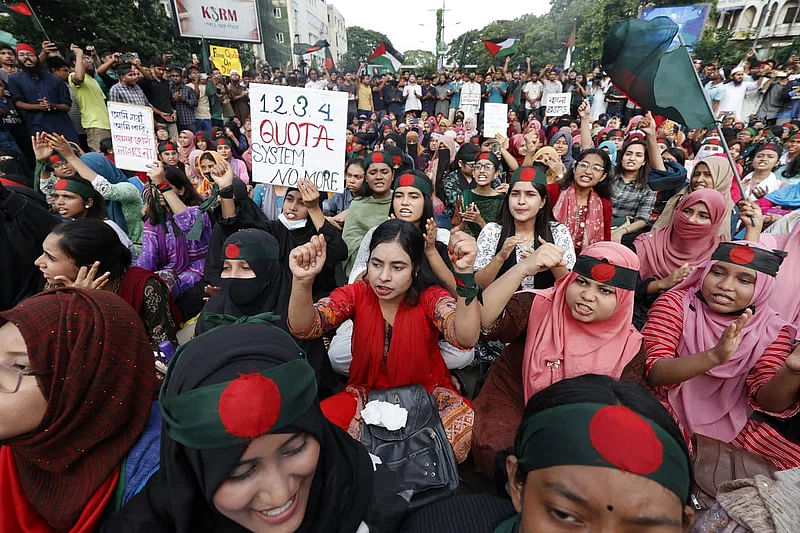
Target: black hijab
(178, 498)
(268, 292)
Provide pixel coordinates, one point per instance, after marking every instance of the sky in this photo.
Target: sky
(400, 21)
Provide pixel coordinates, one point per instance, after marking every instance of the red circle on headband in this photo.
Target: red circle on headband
(742, 255)
(527, 174)
(250, 405)
(406, 180)
(61, 185)
(376, 158)
(396, 160)
(483, 155)
(232, 251)
(626, 440)
(603, 272)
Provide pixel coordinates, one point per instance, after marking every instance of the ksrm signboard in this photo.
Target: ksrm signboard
(229, 20)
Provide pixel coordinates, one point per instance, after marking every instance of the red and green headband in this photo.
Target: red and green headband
(765, 261)
(227, 414)
(416, 179)
(167, 147)
(412, 137)
(532, 174)
(611, 436)
(84, 190)
(601, 271)
(488, 156)
(252, 251)
(379, 157)
(223, 140)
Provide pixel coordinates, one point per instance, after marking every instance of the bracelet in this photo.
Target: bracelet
(226, 192)
(467, 288)
(164, 186)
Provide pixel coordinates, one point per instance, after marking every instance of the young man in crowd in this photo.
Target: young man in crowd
(156, 87)
(184, 98)
(91, 100)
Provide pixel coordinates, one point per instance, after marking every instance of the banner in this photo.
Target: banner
(298, 133)
(132, 135)
(495, 119)
(225, 59)
(690, 20)
(557, 104)
(232, 20)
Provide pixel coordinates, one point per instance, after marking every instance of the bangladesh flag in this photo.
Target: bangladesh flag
(500, 48)
(18, 9)
(387, 57)
(635, 56)
(304, 48)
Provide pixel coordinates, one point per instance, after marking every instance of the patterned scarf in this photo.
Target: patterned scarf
(566, 212)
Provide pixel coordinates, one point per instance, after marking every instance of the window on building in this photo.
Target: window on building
(791, 12)
(276, 12)
(771, 14)
(279, 37)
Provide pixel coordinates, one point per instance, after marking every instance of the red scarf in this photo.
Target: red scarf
(98, 380)
(131, 289)
(25, 519)
(414, 357)
(566, 212)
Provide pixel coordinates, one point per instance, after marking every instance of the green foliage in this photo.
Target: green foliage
(360, 45)
(717, 45)
(424, 59)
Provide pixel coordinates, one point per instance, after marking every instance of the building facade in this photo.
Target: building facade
(337, 33)
(769, 23)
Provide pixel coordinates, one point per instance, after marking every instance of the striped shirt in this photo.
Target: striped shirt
(662, 334)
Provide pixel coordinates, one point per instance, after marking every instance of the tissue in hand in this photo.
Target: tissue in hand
(384, 414)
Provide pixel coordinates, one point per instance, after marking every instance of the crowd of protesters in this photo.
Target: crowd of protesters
(586, 300)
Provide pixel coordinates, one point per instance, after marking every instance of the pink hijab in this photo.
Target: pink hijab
(715, 403)
(603, 347)
(184, 152)
(663, 250)
(787, 284)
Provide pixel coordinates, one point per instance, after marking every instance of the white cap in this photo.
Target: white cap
(737, 70)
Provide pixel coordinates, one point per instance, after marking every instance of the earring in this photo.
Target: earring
(87, 206)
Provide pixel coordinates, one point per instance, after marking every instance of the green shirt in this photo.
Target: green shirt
(91, 102)
(363, 214)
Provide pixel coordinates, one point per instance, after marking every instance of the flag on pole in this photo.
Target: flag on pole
(570, 47)
(300, 49)
(387, 57)
(500, 48)
(19, 9)
(635, 56)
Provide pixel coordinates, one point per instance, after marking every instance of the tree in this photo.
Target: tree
(424, 59)
(360, 45)
(717, 44)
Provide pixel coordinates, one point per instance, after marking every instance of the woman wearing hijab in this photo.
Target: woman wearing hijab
(548, 155)
(398, 317)
(669, 254)
(186, 145)
(610, 148)
(224, 147)
(76, 373)
(582, 325)
(300, 219)
(176, 236)
(245, 447)
(562, 142)
(592, 454)
(710, 173)
(372, 207)
(716, 352)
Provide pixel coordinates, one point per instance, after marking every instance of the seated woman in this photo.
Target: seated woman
(225, 149)
(716, 352)
(669, 254)
(582, 202)
(411, 201)
(246, 448)
(481, 204)
(253, 282)
(292, 229)
(580, 326)
(372, 207)
(710, 173)
(86, 254)
(168, 154)
(632, 200)
(176, 236)
(397, 321)
(592, 454)
(335, 208)
(76, 374)
(186, 145)
(525, 223)
(110, 182)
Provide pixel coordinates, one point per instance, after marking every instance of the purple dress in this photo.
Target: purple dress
(177, 260)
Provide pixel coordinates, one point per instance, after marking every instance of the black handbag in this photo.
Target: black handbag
(419, 453)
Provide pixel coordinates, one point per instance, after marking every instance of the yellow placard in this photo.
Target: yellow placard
(225, 59)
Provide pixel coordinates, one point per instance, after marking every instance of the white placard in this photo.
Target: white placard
(132, 135)
(495, 119)
(557, 104)
(231, 20)
(471, 94)
(298, 133)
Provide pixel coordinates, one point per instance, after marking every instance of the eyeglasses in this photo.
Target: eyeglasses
(585, 165)
(11, 377)
(484, 166)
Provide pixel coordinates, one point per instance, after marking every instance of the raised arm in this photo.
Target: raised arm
(584, 111)
(648, 125)
(306, 263)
